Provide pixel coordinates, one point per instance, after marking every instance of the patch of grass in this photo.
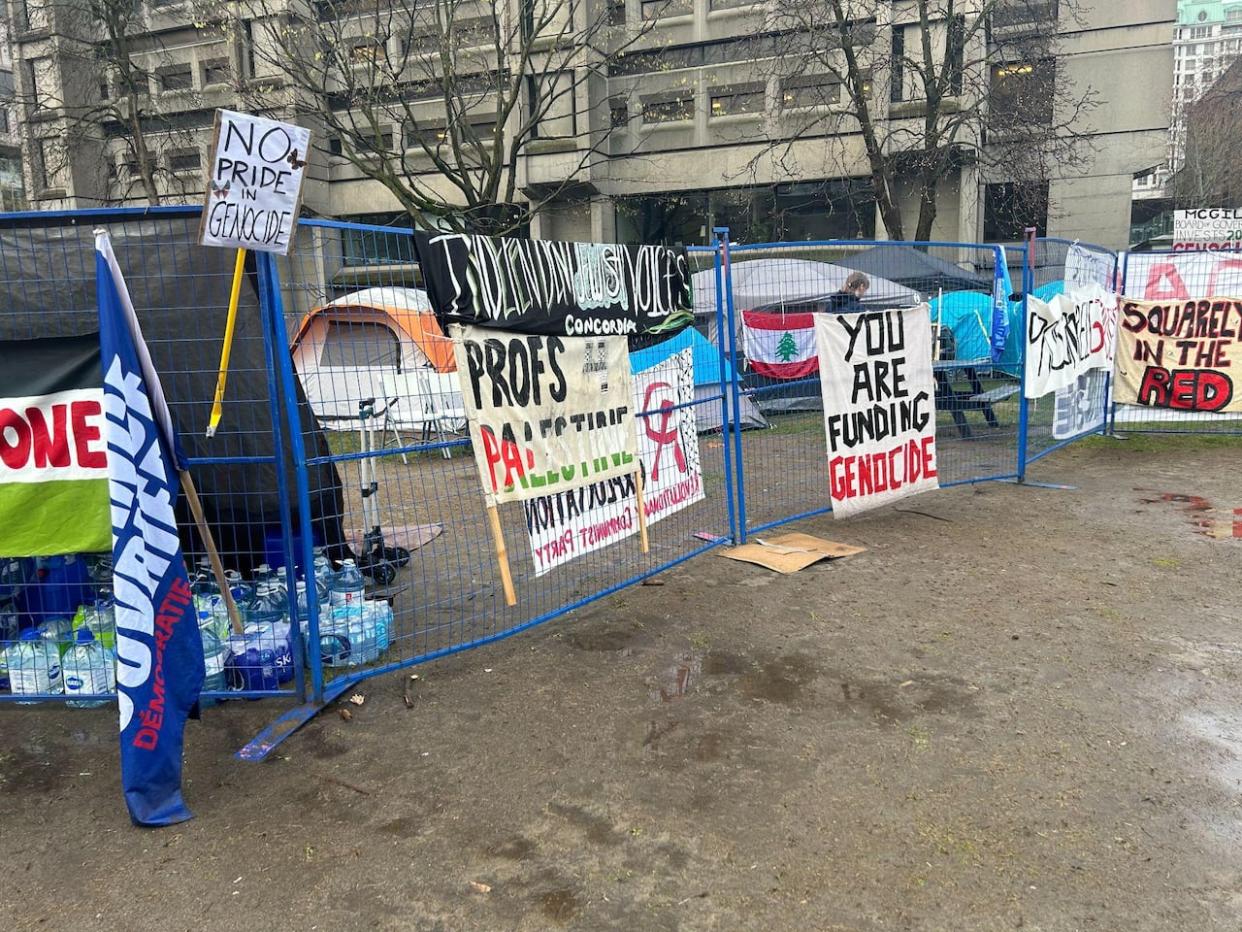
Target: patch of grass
(1162, 443)
(1166, 563)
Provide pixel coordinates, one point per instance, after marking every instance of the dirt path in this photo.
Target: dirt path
(1020, 709)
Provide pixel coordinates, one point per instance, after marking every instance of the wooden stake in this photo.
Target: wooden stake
(642, 511)
(502, 555)
(230, 324)
(204, 533)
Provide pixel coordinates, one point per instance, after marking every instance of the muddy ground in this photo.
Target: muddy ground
(1020, 709)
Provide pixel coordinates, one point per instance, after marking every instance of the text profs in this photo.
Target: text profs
(870, 473)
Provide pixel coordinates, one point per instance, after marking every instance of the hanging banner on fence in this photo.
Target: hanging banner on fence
(567, 525)
(555, 288)
(1080, 408)
(254, 183)
(780, 346)
(879, 406)
(1182, 277)
(1207, 229)
(1088, 268)
(1068, 336)
(53, 458)
(159, 655)
(1180, 355)
(547, 414)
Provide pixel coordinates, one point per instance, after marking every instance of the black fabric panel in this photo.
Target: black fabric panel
(180, 292)
(49, 364)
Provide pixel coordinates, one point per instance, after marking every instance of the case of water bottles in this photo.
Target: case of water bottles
(58, 626)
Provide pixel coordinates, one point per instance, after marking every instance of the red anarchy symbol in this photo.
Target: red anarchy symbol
(663, 436)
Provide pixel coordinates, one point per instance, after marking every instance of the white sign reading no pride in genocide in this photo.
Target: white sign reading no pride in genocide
(254, 185)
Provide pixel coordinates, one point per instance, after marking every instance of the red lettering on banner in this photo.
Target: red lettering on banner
(84, 434)
(872, 473)
(664, 436)
(51, 448)
(15, 451)
(1185, 389)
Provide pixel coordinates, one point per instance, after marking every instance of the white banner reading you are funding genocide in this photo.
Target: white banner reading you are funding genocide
(879, 406)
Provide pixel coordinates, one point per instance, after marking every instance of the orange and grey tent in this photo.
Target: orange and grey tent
(391, 327)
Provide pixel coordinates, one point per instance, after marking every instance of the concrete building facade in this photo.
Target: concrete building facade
(690, 112)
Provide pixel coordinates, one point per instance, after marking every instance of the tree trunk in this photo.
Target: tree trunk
(927, 208)
(145, 171)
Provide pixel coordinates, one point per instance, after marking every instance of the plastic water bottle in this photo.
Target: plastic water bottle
(263, 573)
(381, 613)
(12, 578)
(58, 632)
(282, 580)
(323, 576)
(348, 588)
(269, 605)
(214, 653)
(34, 666)
(261, 657)
(10, 629)
(242, 591)
(88, 669)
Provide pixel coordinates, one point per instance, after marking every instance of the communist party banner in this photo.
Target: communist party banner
(547, 414)
(879, 406)
(53, 453)
(1181, 355)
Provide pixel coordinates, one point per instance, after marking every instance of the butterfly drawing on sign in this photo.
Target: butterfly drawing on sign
(219, 190)
(295, 162)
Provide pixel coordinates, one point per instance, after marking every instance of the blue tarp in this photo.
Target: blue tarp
(968, 314)
(706, 357)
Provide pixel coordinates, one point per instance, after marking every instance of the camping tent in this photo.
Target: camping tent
(968, 314)
(706, 378)
(793, 284)
(914, 268)
(344, 349)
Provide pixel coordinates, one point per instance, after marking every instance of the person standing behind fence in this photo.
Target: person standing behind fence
(849, 299)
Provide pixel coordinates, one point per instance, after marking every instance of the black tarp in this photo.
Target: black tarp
(914, 268)
(180, 291)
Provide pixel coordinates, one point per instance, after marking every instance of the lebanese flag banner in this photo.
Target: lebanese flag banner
(780, 346)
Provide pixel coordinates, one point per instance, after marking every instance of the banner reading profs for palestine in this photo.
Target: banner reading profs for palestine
(1182, 355)
(555, 288)
(879, 406)
(568, 525)
(547, 414)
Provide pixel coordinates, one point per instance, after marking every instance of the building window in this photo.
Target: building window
(380, 146)
(248, 47)
(737, 100)
(36, 14)
(1009, 208)
(810, 91)
(659, 9)
(619, 113)
(616, 12)
(429, 137)
(41, 74)
(53, 164)
(550, 98)
(366, 52)
(1022, 93)
(176, 78)
(184, 160)
(955, 54)
(898, 90)
(668, 110)
(334, 145)
(6, 124)
(215, 71)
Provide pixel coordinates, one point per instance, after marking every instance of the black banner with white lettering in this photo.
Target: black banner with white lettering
(555, 288)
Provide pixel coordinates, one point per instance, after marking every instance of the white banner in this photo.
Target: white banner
(879, 406)
(254, 183)
(1187, 276)
(567, 525)
(1207, 229)
(1088, 268)
(546, 414)
(1080, 408)
(1067, 337)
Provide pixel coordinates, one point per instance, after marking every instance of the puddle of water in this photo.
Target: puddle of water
(1224, 733)
(678, 679)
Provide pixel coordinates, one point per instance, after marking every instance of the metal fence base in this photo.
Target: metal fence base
(271, 737)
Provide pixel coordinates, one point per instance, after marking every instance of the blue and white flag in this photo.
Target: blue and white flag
(1002, 288)
(159, 653)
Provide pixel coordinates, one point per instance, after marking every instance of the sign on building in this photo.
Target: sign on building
(1207, 229)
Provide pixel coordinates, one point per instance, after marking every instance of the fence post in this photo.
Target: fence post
(726, 383)
(1024, 404)
(722, 234)
(281, 362)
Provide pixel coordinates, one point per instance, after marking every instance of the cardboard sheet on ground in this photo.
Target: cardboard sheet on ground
(788, 553)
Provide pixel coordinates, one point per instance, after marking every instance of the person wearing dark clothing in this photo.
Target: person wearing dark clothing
(849, 299)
